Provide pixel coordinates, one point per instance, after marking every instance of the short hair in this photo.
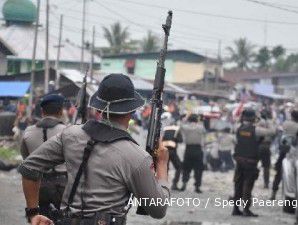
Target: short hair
(52, 108)
(113, 115)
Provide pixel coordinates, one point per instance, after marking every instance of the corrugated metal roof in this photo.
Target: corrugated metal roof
(13, 89)
(19, 39)
(138, 82)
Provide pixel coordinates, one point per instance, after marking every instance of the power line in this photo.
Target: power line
(210, 14)
(272, 6)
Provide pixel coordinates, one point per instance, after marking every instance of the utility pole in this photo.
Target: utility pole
(33, 66)
(218, 70)
(57, 66)
(83, 36)
(265, 33)
(92, 53)
(47, 64)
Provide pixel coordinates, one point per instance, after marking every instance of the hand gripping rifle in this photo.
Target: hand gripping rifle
(156, 101)
(81, 102)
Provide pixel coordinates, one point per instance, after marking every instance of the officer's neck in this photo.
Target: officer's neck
(122, 121)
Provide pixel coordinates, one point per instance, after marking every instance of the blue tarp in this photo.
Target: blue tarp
(14, 89)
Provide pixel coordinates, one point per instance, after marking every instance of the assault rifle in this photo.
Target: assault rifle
(156, 101)
(81, 102)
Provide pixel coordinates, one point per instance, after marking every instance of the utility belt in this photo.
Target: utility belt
(246, 160)
(97, 218)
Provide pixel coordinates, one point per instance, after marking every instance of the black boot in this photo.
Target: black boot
(248, 213)
(198, 190)
(273, 195)
(174, 187)
(183, 188)
(237, 211)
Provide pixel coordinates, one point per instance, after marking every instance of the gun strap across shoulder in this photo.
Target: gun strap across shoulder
(87, 151)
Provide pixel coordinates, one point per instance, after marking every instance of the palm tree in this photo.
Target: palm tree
(118, 38)
(263, 58)
(150, 43)
(278, 51)
(242, 53)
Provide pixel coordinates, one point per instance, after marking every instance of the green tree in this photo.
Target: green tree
(150, 43)
(242, 53)
(278, 51)
(118, 38)
(263, 58)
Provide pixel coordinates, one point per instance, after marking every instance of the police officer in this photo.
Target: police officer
(289, 128)
(247, 156)
(110, 162)
(264, 147)
(54, 179)
(171, 137)
(193, 136)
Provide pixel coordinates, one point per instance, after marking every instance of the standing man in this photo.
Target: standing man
(193, 136)
(112, 164)
(171, 137)
(247, 157)
(54, 179)
(290, 129)
(265, 143)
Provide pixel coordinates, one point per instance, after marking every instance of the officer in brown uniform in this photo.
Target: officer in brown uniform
(54, 179)
(193, 136)
(111, 164)
(247, 157)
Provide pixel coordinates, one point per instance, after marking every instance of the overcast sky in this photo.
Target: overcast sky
(192, 29)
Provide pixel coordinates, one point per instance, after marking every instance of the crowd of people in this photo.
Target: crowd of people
(225, 137)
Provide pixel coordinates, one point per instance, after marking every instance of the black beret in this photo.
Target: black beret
(53, 98)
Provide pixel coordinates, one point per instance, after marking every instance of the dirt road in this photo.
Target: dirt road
(215, 186)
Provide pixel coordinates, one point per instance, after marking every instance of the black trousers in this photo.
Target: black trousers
(51, 192)
(226, 160)
(175, 160)
(265, 157)
(245, 175)
(193, 160)
(278, 167)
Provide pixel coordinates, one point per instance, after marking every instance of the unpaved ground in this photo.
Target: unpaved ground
(215, 185)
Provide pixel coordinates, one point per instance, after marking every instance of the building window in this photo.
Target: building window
(13, 67)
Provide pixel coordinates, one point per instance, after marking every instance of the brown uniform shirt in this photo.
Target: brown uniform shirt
(113, 172)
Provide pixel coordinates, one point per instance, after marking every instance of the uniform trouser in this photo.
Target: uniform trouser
(265, 157)
(245, 175)
(175, 160)
(278, 167)
(226, 160)
(50, 194)
(193, 160)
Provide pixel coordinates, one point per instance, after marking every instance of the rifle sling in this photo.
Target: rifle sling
(87, 151)
(98, 132)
